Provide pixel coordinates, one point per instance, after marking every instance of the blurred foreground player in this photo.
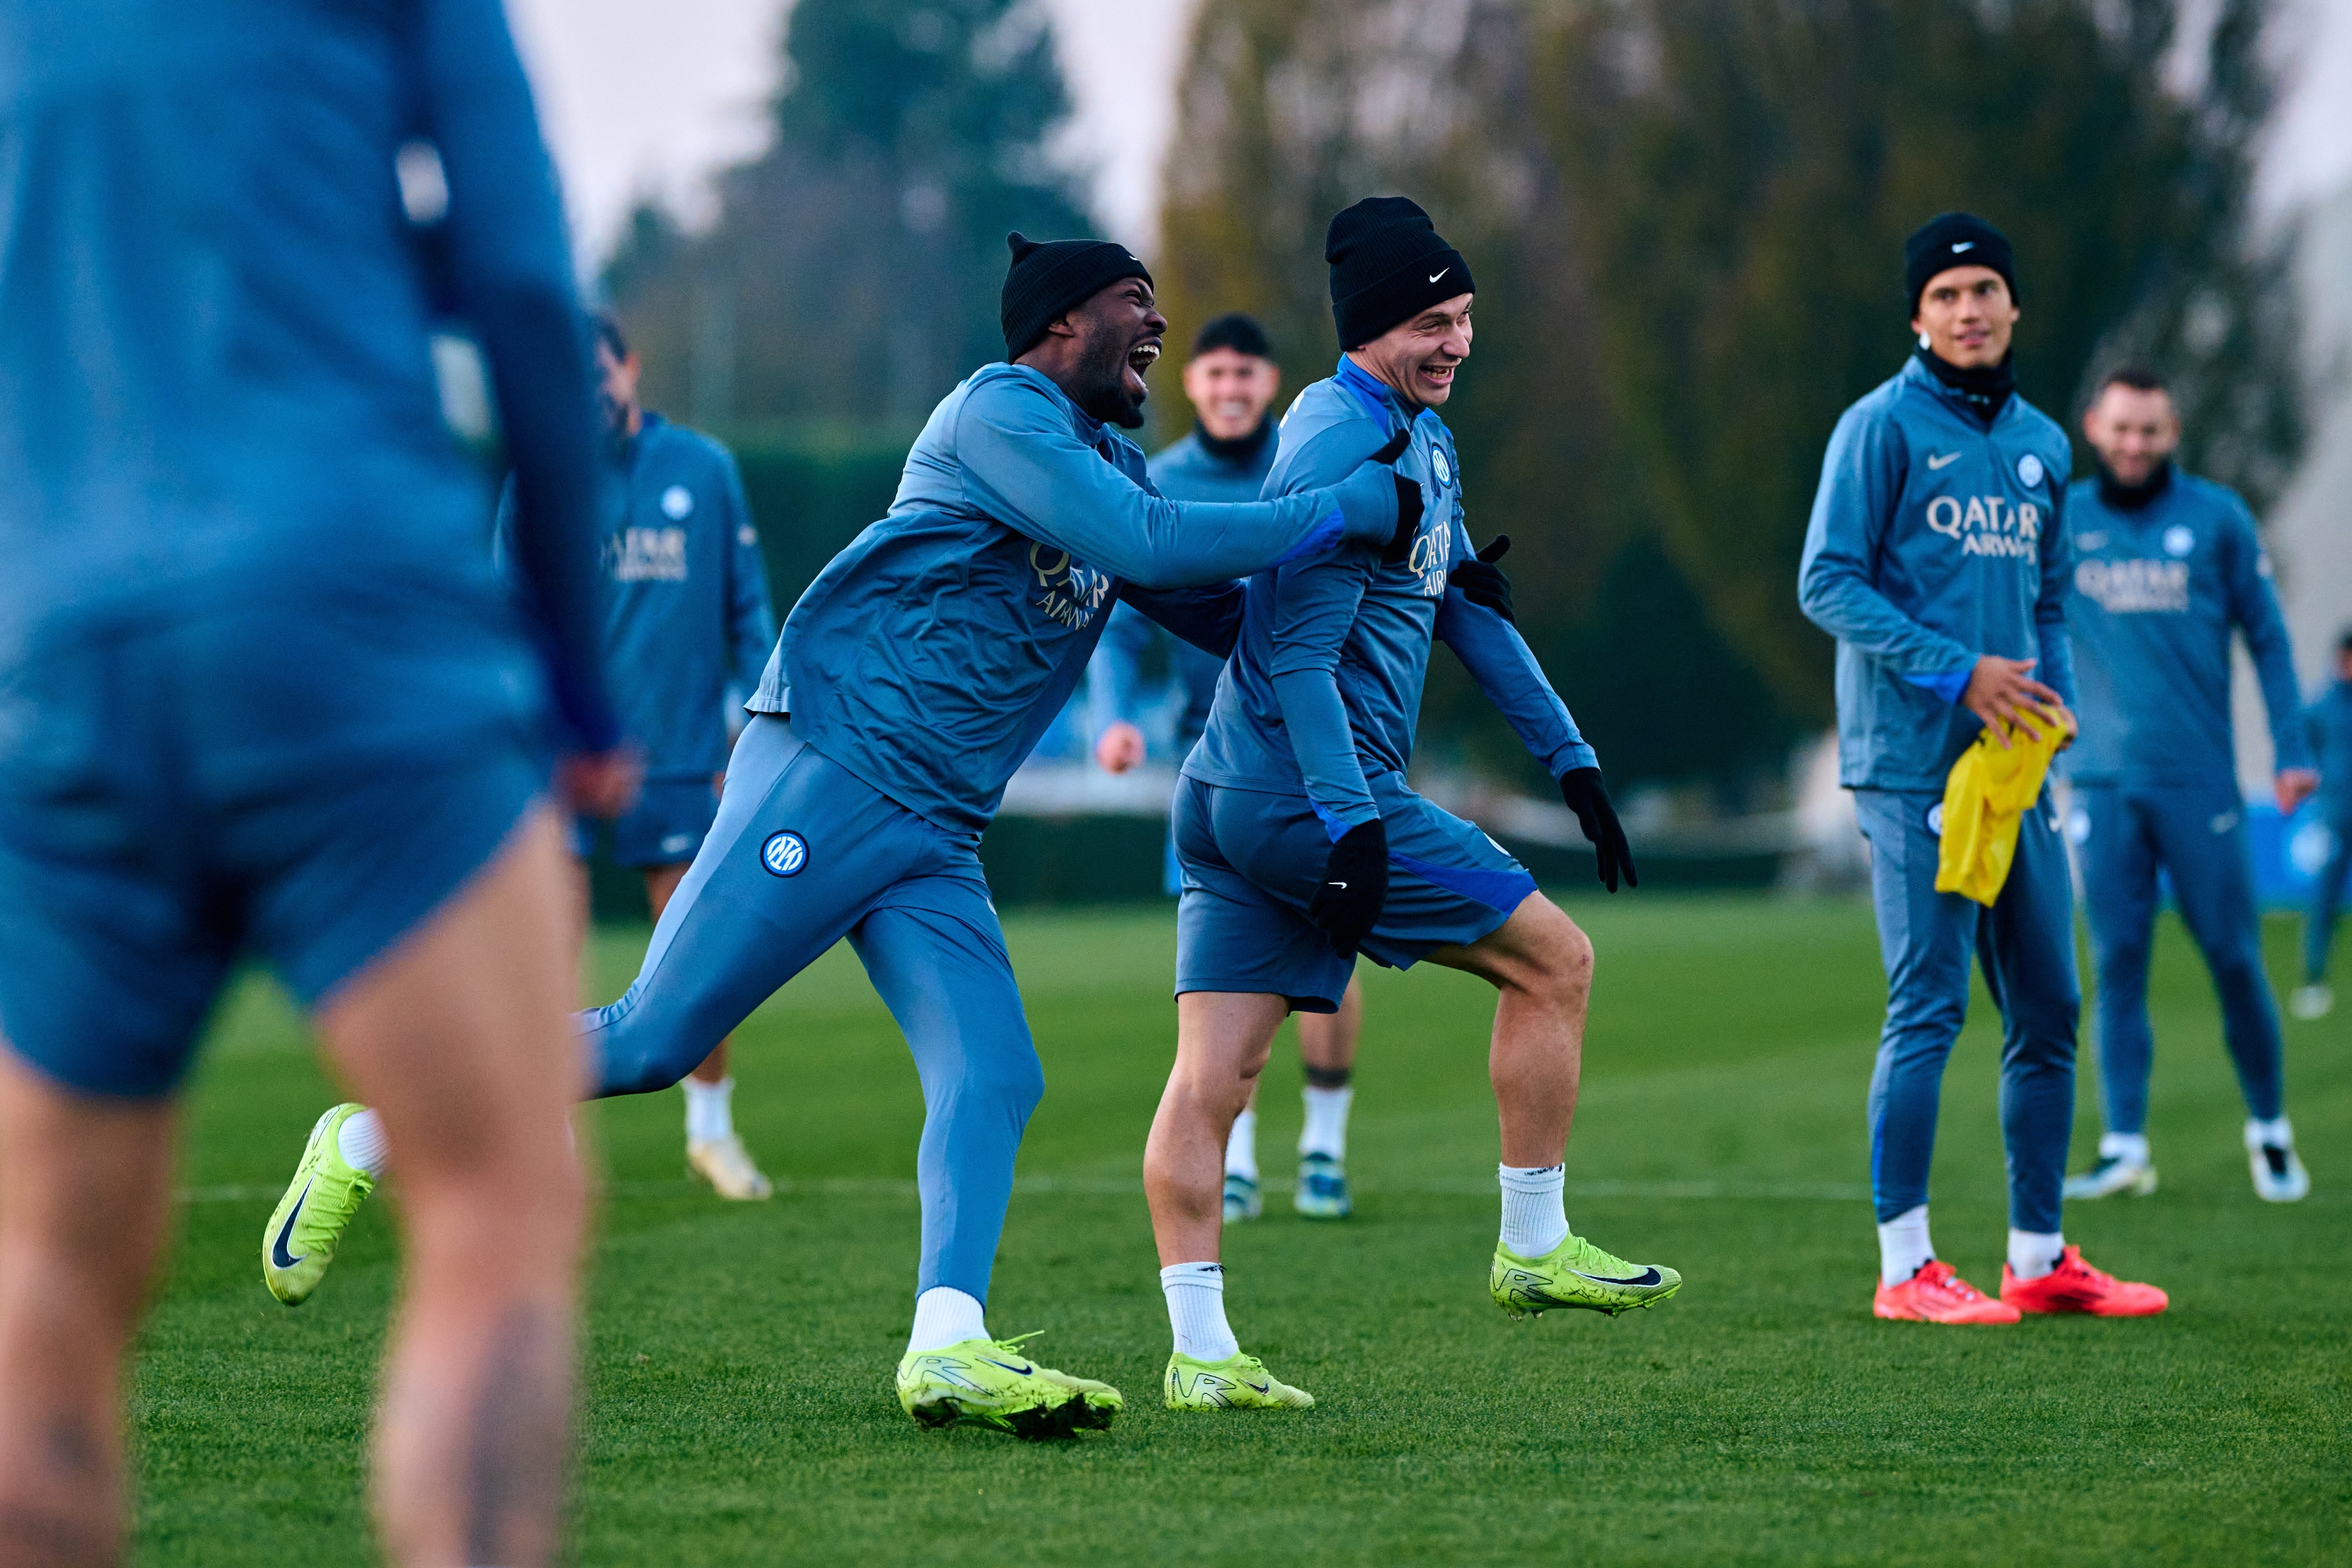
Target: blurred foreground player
(1302, 843)
(1937, 557)
(2166, 565)
(1231, 380)
(2328, 722)
(912, 679)
(264, 695)
(687, 624)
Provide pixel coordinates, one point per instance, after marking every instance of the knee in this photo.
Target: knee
(1556, 968)
(1012, 1080)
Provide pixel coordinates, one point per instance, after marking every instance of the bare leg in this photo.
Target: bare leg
(85, 1194)
(460, 1037)
(1327, 1041)
(661, 881)
(1541, 965)
(1223, 1039)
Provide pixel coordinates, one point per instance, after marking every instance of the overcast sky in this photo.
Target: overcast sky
(650, 98)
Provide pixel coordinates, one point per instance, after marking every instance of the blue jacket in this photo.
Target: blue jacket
(687, 618)
(1184, 471)
(1325, 686)
(930, 653)
(1933, 542)
(215, 371)
(2157, 590)
(2327, 724)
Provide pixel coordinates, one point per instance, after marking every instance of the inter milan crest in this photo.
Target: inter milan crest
(784, 854)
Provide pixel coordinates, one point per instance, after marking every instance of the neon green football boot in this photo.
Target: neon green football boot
(1240, 1382)
(320, 1203)
(994, 1384)
(1577, 1274)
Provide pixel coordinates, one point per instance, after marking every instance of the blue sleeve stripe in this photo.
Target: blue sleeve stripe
(1324, 536)
(1948, 685)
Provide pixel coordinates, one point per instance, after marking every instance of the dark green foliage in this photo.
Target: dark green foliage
(854, 269)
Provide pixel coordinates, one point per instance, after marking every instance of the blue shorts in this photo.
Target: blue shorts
(666, 826)
(302, 782)
(1252, 860)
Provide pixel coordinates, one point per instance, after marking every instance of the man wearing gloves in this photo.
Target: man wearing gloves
(2167, 565)
(1937, 557)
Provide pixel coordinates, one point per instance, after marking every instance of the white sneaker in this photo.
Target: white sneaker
(2279, 1177)
(727, 1165)
(2114, 1173)
(2311, 1002)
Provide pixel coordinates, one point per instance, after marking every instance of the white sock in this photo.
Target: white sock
(2275, 1132)
(361, 1141)
(1535, 1209)
(1241, 1146)
(945, 1316)
(709, 1110)
(1325, 1132)
(1903, 1248)
(1196, 1310)
(2033, 1253)
(2130, 1147)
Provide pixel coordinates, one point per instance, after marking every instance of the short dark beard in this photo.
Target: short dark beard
(1101, 389)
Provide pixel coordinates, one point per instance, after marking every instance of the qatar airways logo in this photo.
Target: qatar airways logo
(2134, 587)
(1989, 525)
(1069, 593)
(1428, 560)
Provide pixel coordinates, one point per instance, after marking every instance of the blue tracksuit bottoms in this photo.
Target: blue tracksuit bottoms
(2198, 833)
(2025, 944)
(803, 854)
(2328, 895)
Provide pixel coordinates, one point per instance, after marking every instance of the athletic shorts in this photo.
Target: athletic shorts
(666, 826)
(1252, 860)
(301, 784)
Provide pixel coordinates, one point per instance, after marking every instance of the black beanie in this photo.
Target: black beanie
(1048, 276)
(1955, 240)
(1232, 330)
(1388, 264)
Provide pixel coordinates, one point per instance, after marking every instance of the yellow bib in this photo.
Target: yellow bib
(1985, 794)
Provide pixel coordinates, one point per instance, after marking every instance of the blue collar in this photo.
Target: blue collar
(1379, 399)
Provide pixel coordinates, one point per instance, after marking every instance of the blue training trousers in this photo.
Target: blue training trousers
(2025, 944)
(803, 854)
(2198, 833)
(2328, 895)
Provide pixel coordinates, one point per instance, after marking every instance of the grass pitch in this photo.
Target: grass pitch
(739, 1357)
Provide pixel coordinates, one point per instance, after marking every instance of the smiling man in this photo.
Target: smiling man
(1937, 557)
(2167, 565)
(912, 678)
(1303, 845)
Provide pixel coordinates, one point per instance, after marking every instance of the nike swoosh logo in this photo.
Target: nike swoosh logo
(1946, 461)
(1024, 1371)
(1342, 886)
(1963, 244)
(278, 1255)
(1439, 273)
(1647, 1277)
(1259, 1386)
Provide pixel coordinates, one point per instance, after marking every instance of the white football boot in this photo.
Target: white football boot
(2123, 1167)
(2279, 1177)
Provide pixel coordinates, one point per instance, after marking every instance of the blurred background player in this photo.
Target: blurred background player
(2166, 565)
(686, 629)
(266, 695)
(911, 679)
(1232, 380)
(2328, 723)
(1936, 555)
(1302, 843)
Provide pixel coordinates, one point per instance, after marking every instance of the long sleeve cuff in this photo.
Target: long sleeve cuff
(1948, 684)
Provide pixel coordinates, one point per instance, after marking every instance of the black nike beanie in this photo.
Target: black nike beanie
(1388, 264)
(1955, 240)
(1048, 276)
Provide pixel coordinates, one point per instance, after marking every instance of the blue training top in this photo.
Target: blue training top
(215, 375)
(1183, 470)
(2327, 726)
(687, 616)
(1934, 540)
(1325, 686)
(2157, 590)
(930, 653)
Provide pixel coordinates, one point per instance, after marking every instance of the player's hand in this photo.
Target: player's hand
(1483, 582)
(1347, 903)
(1119, 748)
(1585, 795)
(719, 785)
(2004, 693)
(1408, 497)
(601, 784)
(2294, 786)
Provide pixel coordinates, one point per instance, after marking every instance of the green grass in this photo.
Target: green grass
(738, 1357)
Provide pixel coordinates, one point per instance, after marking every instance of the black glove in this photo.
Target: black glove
(1483, 582)
(1347, 904)
(1408, 492)
(1585, 795)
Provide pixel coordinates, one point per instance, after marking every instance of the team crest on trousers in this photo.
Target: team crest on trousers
(784, 854)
